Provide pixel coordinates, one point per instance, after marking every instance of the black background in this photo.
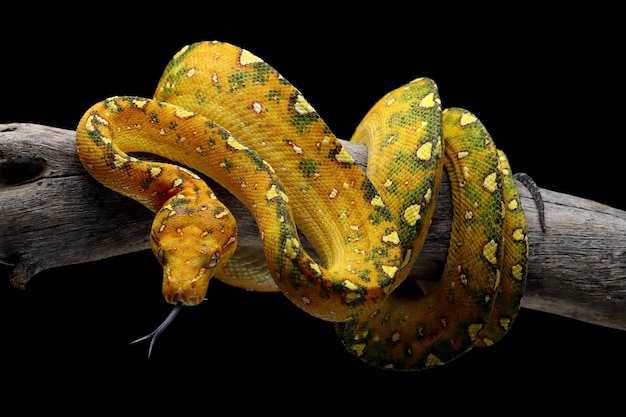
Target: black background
(548, 86)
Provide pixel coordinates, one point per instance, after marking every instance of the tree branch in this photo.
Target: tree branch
(52, 214)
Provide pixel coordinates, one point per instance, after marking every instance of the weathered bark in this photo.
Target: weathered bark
(52, 213)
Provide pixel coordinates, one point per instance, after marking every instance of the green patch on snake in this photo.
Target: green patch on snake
(237, 80)
(145, 183)
(257, 161)
(259, 75)
(353, 236)
(364, 275)
(176, 203)
(302, 122)
(274, 95)
(369, 190)
(407, 160)
(383, 279)
(201, 99)
(173, 77)
(354, 294)
(298, 280)
(154, 118)
(378, 252)
(415, 116)
(172, 125)
(380, 213)
(227, 165)
(308, 167)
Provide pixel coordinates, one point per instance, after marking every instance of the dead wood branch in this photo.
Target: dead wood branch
(52, 213)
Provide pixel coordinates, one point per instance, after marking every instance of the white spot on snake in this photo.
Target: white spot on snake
(256, 106)
(425, 152)
(315, 267)
(391, 238)
(390, 271)
(505, 322)
(89, 125)
(140, 104)
(473, 330)
(119, 161)
(490, 182)
(182, 51)
(432, 360)
(302, 106)
(221, 214)
(462, 154)
(489, 252)
(344, 157)
(183, 113)
(177, 182)
(467, 118)
(247, 58)
(231, 240)
(513, 204)
(466, 176)
(518, 235)
(428, 195)
(333, 193)
(235, 144)
(412, 214)
(350, 285)
(191, 72)
(377, 201)
(273, 193)
(269, 167)
(428, 101)
(295, 148)
(188, 172)
(291, 248)
(155, 171)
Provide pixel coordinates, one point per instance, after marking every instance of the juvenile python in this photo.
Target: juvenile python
(223, 112)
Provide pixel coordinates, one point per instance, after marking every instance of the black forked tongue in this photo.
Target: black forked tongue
(156, 332)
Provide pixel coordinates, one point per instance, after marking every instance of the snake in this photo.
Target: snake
(221, 112)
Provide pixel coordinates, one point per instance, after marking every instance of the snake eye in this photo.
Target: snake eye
(214, 258)
(160, 256)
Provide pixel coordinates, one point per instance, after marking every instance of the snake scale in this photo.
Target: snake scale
(223, 112)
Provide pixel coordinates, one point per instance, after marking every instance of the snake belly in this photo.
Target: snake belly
(221, 111)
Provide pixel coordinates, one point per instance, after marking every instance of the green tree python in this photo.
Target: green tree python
(221, 111)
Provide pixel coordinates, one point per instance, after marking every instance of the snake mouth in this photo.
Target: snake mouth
(180, 296)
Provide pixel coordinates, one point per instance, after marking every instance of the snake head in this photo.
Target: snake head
(191, 246)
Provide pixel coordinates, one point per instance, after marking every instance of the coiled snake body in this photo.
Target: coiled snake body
(222, 111)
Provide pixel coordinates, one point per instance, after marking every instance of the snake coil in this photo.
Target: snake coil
(222, 111)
